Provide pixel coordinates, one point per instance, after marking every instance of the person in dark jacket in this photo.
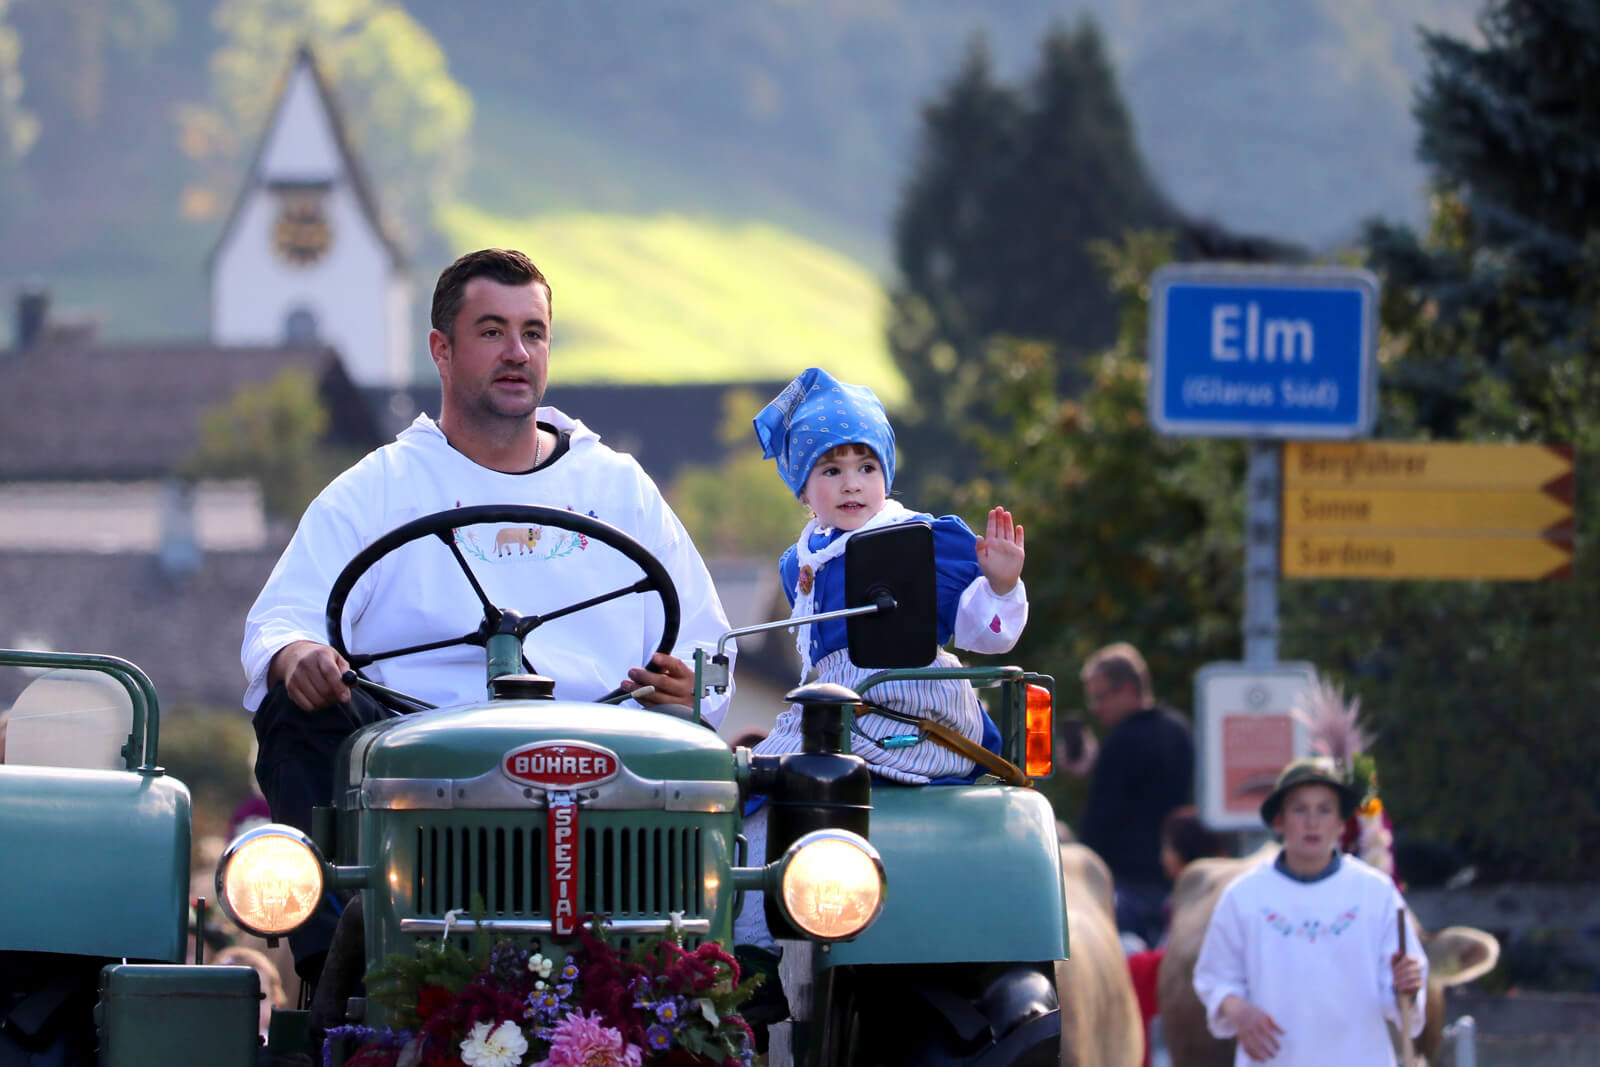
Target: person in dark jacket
(1141, 771)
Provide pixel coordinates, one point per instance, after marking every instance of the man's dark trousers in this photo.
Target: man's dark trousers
(295, 765)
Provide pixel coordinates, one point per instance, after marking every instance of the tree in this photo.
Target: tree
(993, 236)
(993, 230)
(1511, 131)
(273, 433)
(1490, 333)
(947, 242)
(408, 117)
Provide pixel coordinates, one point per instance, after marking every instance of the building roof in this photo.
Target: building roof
(184, 631)
(80, 411)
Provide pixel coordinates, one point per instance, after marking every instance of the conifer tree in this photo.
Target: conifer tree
(993, 238)
(949, 245)
(1511, 129)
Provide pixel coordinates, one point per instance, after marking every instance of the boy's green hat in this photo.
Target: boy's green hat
(1312, 770)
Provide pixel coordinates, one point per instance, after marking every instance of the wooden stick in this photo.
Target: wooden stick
(1406, 1001)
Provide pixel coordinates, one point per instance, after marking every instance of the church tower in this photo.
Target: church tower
(303, 257)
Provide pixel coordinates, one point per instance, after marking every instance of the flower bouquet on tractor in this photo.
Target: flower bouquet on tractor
(502, 1005)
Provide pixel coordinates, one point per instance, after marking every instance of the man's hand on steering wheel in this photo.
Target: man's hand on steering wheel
(311, 673)
(673, 680)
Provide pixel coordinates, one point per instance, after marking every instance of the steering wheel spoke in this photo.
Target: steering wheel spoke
(533, 622)
(358, 660)
(490, 612)
(443, 525)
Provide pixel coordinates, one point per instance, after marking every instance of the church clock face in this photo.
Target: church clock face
(301, 235)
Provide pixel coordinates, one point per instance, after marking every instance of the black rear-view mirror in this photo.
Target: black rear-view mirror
(892, 567)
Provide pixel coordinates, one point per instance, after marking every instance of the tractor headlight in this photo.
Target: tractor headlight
(270, 880)
(831, 883)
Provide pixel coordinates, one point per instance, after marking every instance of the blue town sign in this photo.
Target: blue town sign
(1266, 352)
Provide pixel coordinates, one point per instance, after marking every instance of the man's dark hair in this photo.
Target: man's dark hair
(1190, 838)
(503, 265)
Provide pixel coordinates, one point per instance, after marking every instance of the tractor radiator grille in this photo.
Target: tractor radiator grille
(624, 872)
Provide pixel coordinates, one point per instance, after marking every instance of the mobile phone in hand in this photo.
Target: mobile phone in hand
(1070, 729)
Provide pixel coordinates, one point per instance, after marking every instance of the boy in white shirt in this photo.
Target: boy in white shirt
(1301, 961)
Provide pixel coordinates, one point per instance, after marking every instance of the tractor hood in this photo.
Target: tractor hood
(562, 744)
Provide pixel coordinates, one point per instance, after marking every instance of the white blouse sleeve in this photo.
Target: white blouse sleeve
(987, 622)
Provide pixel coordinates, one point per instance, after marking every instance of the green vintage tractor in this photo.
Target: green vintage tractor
(524, 816)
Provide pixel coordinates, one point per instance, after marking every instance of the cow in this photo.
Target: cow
(1100, 1024)
(523, 537)
(1456, 955)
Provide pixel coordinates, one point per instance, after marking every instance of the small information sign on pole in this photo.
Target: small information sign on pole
(1246, 732)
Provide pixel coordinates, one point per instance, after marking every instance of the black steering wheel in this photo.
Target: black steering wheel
(496, 620)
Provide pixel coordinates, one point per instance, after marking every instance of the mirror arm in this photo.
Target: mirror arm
(716, 672)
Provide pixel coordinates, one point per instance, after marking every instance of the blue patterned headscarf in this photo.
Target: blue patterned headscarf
(814, 413)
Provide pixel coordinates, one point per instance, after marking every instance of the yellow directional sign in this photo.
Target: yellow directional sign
(1465, 511)
(1486, 558)
(1424, 465)
(1424, 509)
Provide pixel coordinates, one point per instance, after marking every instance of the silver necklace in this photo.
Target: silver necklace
(538, 442)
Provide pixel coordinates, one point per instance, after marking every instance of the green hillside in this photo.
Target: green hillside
(665, 298)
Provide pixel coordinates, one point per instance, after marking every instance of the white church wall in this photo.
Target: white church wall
(348, 290)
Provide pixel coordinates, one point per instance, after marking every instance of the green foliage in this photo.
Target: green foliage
(739, 507)
(407, 116)
(446, 964)
(274, 434)
(796, 114)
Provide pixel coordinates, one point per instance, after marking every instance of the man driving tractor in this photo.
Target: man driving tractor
(492, 444)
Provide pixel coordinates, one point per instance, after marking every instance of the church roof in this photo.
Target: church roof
(352, 168)
(80, 410)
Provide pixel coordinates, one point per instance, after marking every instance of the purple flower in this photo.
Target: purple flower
(658, 1036)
